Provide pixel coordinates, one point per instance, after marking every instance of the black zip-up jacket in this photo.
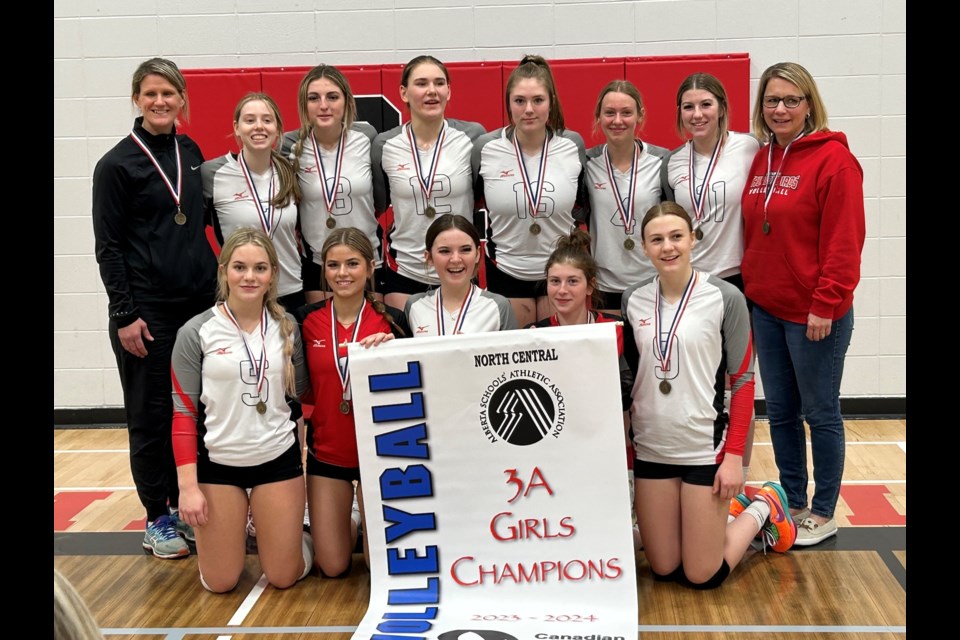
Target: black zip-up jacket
(145, 257)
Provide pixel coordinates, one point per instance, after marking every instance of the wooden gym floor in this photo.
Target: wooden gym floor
(851, 587)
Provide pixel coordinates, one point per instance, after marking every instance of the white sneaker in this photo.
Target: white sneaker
(810, 532)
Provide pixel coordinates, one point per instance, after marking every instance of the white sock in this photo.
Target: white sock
(307, 549)
(759, 511)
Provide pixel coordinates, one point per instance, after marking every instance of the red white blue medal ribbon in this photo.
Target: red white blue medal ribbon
(259, 365)
(343, 367)
(627, 214)
(533, 201)
(175, 193)
(329, 193)
(665, 345)
(461, 317)
(266, 216)
(771, 182)
(699, 202)
(427, 178)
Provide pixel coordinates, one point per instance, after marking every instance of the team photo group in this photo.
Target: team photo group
(736, 252)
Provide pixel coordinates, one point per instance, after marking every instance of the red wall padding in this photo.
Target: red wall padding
(477, 92)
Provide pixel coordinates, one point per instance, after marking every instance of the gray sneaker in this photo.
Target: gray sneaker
(185, 530)
(810, 532)
(162, 539)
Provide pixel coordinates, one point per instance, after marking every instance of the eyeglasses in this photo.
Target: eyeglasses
(790, 102)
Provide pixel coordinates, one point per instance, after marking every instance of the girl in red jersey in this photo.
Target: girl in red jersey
(234, 367)
(350, 314)
(572, 290)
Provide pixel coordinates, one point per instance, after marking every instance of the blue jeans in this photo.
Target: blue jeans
(801, 379)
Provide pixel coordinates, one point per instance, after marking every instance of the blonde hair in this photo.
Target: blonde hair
(712, 85)
(289, 185)
(246, 236)
(167, 70)
(797, 75)
(72, 619)
(627, 88)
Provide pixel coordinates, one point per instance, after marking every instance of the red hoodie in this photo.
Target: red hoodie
(810, 260)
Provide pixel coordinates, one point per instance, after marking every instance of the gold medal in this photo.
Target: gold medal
(261, 407)
(766, 228)
(180, 218)
(698, 232)
(344, 407)
(664, 387)
(331, 222)
(629, 244)
(535, 229)
(429, 212)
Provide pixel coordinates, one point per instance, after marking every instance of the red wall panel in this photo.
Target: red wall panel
(477, 92)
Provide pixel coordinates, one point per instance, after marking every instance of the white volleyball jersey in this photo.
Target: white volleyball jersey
(482, 311)
(688, 425)
(353, 200)
(215, 383)
(510, 242)
(618, 266)
(720, 251)
(230, 200)
(450, 192)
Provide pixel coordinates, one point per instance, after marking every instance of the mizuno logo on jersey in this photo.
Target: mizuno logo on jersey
(222, 351)
(241, 196)
(600, 185)
(403, 166)
(321, 343)
(309, 169)
(644, 322)
(423, 328)
(506, 173)
(683, 179)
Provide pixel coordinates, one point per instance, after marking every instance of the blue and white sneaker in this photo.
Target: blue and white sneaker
(162, 539)
(185, 530)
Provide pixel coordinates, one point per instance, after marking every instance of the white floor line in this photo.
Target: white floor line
(247, 605)
(842, 482)
(65, 489)
(902, 445)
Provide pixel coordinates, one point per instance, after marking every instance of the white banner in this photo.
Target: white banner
(495, 487)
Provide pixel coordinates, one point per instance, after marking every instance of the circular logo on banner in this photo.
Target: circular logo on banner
(521, 409)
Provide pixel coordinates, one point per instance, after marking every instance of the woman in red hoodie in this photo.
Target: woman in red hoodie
(803, 234)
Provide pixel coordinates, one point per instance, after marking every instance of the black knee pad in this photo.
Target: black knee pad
(714, 581)
(673, 576)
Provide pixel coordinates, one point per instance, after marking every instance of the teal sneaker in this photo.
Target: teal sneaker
(162, 539)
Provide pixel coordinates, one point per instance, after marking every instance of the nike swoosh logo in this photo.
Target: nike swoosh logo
(194, 168)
